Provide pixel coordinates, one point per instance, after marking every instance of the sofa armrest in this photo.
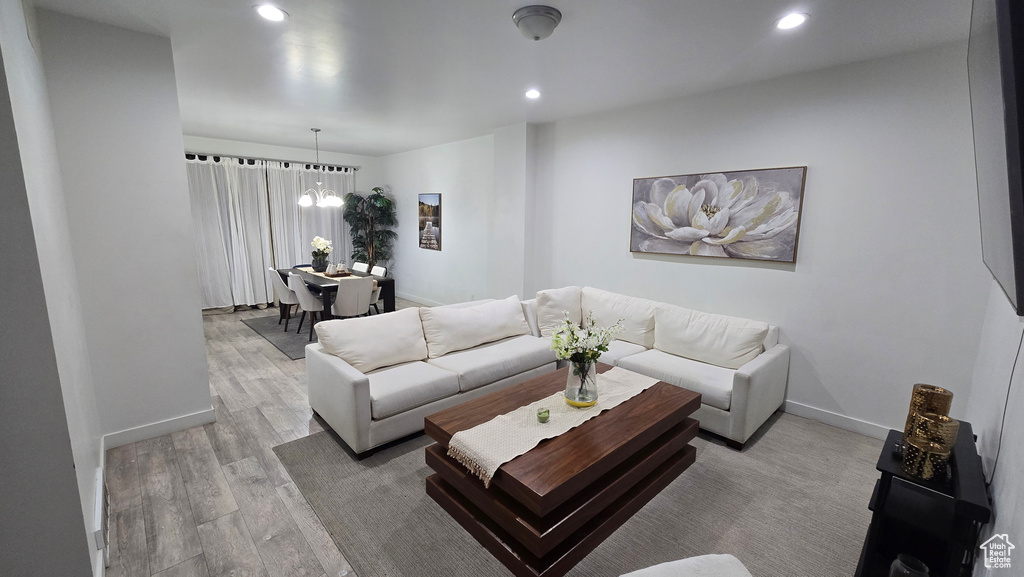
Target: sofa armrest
(759, 388)
(341, 395)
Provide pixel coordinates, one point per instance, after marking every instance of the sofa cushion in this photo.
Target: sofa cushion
(368, 343)
(717, 339)
(448, 329)
(491, 362)
(713, 383)
(402, 387)
(552, 305)
(637, 314)
(618, 349)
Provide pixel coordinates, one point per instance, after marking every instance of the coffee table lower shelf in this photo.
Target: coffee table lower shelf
(573, 549)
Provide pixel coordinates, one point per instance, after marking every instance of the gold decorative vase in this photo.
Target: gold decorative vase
(927, 399)
(924, 459)
(934, 428)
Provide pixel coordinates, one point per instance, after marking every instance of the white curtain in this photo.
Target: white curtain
(211, 242)
(293, 226)
(249, 246)
(247, 219)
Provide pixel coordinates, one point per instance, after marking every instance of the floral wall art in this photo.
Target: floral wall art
(751, 214)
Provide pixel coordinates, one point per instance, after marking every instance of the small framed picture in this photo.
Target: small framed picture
(430, 221)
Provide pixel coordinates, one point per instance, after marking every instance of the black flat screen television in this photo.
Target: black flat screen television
(995, 66)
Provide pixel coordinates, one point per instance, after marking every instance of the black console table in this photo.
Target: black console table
(937, 521)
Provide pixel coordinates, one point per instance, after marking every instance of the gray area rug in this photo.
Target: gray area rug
(289, 343)
(794, 503)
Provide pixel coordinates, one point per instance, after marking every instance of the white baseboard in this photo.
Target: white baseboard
(836, 420)
(418, 299)
(159, 428)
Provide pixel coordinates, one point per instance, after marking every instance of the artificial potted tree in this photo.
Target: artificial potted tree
(370, 219)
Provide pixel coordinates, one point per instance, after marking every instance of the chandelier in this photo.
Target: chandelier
(324, 197)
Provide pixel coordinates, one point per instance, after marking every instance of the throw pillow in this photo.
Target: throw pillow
(368, 343)
(551, 306)
(453, 329)
(728, 342)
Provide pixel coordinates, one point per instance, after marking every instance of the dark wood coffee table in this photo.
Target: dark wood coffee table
(547, 509)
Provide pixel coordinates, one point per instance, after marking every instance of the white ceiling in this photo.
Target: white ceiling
(384, 76)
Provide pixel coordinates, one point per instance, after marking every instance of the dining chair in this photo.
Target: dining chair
(285, 296)
(307, 302)
(360, 266)
(306, 265)
(353, 298)
(375, 298)
(379, 271)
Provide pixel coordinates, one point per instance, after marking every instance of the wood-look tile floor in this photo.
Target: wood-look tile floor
(215, 501)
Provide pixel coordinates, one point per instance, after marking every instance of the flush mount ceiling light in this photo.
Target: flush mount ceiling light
(790, 21)
(324, 198)
(536, 22)
(272, 13)
(532, 94)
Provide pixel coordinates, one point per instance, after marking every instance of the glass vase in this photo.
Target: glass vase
(907, 566)
(320, 263)
(581, 384)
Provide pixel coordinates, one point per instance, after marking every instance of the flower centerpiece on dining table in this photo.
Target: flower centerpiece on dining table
(321, 248)
(581, 345)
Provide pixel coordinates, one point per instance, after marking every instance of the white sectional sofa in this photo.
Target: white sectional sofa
(737, 365)
(374, 379)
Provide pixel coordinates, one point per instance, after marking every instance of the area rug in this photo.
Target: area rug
(291, 344)
(794, 503)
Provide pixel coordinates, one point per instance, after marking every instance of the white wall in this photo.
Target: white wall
(888, 289)
(367, 177)
(48, 421)
(998, 387)
(463, 172)
(118, 132)
(507, 206)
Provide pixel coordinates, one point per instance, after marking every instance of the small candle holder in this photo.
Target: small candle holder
(543, 414)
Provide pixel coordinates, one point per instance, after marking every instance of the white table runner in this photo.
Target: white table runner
(487, 446)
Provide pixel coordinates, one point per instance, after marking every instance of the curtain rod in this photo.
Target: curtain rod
(272, 159)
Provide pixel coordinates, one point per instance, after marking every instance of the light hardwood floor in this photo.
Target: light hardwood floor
(215, 501)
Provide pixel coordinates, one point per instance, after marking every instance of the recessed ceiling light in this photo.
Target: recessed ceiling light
(791, 21)
(272, 13)
(533, 94)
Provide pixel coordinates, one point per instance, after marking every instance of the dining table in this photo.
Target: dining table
(327, 287)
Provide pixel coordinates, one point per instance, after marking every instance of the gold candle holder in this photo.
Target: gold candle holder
(935, 428)
(927, 399)
(924, 460)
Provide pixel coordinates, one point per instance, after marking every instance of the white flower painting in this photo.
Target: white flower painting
(752, 214)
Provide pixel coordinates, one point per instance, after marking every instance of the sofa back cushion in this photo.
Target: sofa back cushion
(369, 343)
(637, 314)
(453, 329)
(551, 307)
(728, 342)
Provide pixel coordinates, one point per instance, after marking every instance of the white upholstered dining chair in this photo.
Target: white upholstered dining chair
(285, 296)
(381, 271)
(375, 298)
(353, 298)
(360, 267)
(307, 302)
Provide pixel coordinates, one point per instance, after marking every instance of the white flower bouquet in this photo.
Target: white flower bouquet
(582, 346)
(321, 247)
